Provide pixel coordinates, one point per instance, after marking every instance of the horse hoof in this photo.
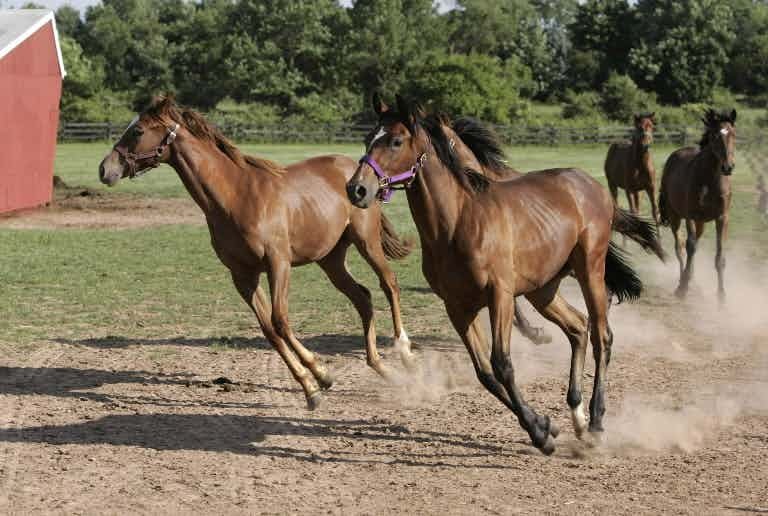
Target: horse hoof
(721, 298)
(554, 430)
(596, 429)
(548, 448)
(325, 381)
(680, 292)
(314, 400)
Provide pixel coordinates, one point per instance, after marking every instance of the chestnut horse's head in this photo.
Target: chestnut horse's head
(144, 144)
(644, 125)
(395, 151)
(720, 136)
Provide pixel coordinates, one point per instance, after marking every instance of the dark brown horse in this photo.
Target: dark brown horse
(629, 166)
(266, 219)
(485, 242)
(696, 187)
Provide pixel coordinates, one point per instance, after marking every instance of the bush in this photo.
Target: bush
(475, 85)
(230, 112)
(620, 98)
(326, 109)
(584, 105)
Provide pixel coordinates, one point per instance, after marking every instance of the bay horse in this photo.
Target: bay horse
(696, 187)
(484, 242)
(629, 165)
(263, 218)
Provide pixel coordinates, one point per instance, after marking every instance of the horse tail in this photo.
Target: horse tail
(620, 278)
(640, 230)
(394, 247)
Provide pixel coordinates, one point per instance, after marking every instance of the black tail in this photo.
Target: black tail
(620, 278)
(663, 213)
(640, 230)
(394, 247)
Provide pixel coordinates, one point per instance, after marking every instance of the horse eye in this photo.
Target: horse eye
(138, 131)
(397, 142)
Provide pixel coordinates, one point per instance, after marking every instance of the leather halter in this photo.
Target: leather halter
(150, 159)
(388, 184)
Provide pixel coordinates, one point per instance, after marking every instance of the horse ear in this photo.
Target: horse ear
(637, 119)
(406, 112)
(733, 116)
(652, 116)
(378, 105)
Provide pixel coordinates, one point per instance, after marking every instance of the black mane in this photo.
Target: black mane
(470, 179)
(482, 141)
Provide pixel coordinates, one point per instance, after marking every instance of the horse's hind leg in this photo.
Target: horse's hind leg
(335, 267)
(589, 265)
(694, 231)
(574, 324)
(651, 191)
(279, 278)
(366, 236)
(248, 287)
(721, 226)
(674, 225)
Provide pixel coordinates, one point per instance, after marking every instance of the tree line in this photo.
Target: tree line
(318, 61)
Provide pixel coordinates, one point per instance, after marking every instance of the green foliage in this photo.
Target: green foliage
(620, 98)
(230, 112)
(474, 84)
(683, 47)
(585, 105)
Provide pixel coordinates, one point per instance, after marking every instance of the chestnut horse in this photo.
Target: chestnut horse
(696, 187)
(484, 242)
(629, 166)
(264, 218)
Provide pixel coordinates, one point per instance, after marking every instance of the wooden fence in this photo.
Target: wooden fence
(353, 133)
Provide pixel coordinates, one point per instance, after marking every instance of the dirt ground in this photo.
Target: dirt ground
(113, 426)
(77, 207)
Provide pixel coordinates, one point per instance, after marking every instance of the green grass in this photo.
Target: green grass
(166, 282)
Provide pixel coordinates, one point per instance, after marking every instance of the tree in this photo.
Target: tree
(474, 84)
(620, 98)
(506, 29)
(747, 69)
(683, 47)
(130, 42)
(602, 35)
(387, 40)
(68, 21)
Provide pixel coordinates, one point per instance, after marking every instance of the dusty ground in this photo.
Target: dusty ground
(111, 425)
(76, 207)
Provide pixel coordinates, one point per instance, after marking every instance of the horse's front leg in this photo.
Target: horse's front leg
(247, 284)
(721, 226)
(501, 307)
(279, 277)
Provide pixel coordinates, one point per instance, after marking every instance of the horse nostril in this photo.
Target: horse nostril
(360, 192)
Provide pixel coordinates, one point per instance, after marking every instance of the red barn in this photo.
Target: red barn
(31, 71)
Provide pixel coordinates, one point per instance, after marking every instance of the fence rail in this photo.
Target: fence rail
(355, 133)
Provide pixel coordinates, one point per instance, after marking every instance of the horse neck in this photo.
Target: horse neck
(436, 201)
(710, 170)
(641, 157)
(207, 173)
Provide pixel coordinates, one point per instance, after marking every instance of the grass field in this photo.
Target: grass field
(139, 283)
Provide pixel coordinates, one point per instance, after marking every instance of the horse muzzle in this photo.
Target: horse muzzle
(728, 169)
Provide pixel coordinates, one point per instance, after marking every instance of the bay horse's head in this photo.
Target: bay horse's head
(403, 141)
(644, 125)
(720, 137)
(394, 144)
(144, 144)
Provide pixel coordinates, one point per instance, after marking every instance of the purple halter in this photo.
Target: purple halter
(387, 183)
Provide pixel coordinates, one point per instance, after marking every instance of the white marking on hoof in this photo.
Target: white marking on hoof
(579, 418)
